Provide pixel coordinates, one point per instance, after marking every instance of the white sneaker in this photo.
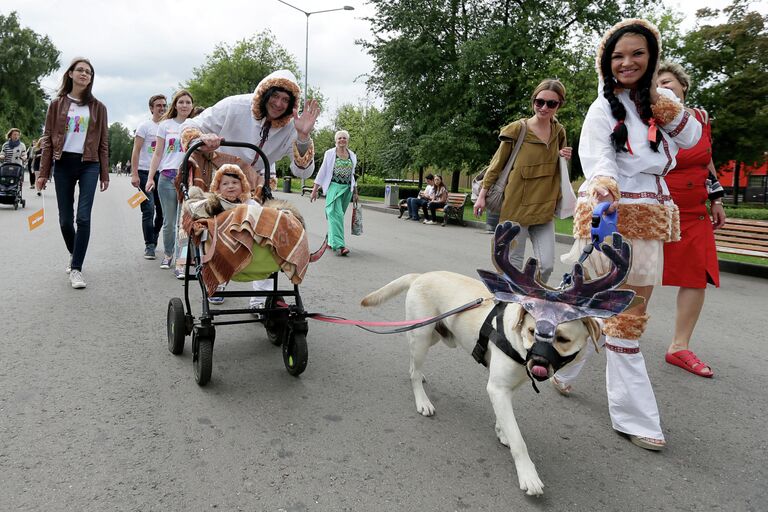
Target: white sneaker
(76, 279)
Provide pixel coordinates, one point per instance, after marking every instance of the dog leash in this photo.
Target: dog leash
(403, 325)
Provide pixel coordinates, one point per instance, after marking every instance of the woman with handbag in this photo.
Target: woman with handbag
(529, 156)
(337, 178)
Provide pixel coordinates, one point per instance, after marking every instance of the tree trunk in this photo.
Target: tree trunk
(455, 178)
(736, 170)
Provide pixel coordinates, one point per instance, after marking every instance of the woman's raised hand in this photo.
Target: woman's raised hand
(305, 122)
(566, 152)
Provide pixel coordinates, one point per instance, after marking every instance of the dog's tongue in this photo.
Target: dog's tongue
(539, 371)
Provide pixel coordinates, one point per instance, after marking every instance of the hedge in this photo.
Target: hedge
(377, 190)
(746, 213)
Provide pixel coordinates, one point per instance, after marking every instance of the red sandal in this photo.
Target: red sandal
(688, 361)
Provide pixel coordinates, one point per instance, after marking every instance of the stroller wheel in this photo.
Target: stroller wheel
(176, 328)
(23, 203)
(276, 324)
(202, 357)
(295, 352)
(16, 205)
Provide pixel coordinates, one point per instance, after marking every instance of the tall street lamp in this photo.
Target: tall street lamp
(306, 38)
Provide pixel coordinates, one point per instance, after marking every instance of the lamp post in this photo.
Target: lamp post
(306, 38)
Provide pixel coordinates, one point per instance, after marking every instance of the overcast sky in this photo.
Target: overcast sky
(142, 47)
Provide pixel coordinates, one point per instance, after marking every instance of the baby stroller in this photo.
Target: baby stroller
(286, 324)
(11, 180)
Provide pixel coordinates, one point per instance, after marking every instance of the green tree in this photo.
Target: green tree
(452, 73)
(367, 129)
(729, 67)
(25, 58)
(238, 69)
(120, 144)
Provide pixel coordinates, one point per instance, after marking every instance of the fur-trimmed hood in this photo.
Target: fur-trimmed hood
(231, 169)
(280, 78)
(624, 23)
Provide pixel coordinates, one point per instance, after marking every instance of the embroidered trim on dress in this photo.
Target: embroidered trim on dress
(676, 131)
(622, 350)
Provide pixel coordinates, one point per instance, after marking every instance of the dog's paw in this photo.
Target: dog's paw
(502, 438)
(529, 479)
(425, 408)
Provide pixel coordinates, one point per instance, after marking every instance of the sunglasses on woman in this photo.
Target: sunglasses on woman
(549, 103)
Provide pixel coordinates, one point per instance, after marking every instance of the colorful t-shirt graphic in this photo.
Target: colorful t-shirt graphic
(169, 130)
(78, 120)
(147, 130)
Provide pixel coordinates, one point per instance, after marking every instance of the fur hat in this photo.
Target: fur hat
(625, 23)
(284, 79)
(231, 170)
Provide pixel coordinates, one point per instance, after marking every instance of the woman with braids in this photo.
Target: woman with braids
(629, 140)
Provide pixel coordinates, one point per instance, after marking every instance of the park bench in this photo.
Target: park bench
(453, 209)
(743, 236)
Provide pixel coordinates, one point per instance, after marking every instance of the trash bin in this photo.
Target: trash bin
(286, 184)
(391, 196)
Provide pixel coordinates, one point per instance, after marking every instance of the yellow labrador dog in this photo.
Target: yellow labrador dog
(434, 293)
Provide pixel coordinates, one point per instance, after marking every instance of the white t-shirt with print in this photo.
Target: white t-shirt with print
(147, 130)
(78, 118)
(172, 153)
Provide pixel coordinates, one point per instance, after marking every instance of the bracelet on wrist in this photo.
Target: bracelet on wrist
(717, 201)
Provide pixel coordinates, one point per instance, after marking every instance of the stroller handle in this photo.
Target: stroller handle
(266, 192)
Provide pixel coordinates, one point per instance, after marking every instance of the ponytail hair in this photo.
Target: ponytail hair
(642, 93)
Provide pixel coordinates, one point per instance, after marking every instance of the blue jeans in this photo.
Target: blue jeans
(71, 171)
(170, 204)
(151, 212)
(414, 203)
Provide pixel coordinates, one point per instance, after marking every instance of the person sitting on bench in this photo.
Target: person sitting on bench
(424, 197)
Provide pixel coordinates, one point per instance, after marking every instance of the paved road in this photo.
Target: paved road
(96, 414)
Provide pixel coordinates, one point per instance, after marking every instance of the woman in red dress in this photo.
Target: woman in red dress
(691, 263)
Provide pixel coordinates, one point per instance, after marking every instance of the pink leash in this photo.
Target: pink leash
(404, 325)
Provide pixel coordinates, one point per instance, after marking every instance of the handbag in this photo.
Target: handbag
(494, 198)
(357, 218)
(566, 205)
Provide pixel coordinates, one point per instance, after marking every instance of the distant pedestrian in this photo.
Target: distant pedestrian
(33, 161)
(13, 150)
(337, 178)
(76, 145)
(144, 144)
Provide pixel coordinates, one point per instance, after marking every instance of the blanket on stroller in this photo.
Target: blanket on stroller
(233, 234)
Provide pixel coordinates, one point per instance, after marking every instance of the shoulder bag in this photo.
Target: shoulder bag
(494, 198)
(566, 205)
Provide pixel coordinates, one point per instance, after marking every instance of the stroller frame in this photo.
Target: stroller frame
(12, 193)
(286, 324)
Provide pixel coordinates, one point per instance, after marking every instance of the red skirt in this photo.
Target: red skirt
(691, 262)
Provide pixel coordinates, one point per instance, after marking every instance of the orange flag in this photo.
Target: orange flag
(36, 219)
(136, 199)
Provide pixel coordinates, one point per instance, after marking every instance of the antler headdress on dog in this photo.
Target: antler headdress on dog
(598, 298)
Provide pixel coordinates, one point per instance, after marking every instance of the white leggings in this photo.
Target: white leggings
(631, 401)
(542, 238)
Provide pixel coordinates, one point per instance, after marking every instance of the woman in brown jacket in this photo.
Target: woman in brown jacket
(533, 188)
(75, 145)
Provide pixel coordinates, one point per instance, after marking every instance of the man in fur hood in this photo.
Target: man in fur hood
(268, 118)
